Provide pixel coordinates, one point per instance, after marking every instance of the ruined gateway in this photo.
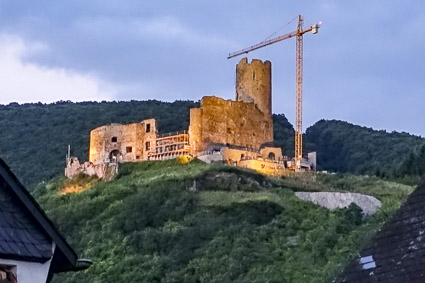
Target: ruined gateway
(236, 132)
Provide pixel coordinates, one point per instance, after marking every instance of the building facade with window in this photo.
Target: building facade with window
(122, 143)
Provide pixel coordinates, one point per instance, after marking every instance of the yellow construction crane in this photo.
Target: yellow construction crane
(299, 32)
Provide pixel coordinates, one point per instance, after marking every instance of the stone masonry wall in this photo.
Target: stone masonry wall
(195, 130)
(254, 83)
(220, 121)
(115, 139)
(126, 142)
(147, 138)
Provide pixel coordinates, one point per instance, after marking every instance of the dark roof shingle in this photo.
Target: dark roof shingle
(397, 250)
(26, 233)
(19, 236)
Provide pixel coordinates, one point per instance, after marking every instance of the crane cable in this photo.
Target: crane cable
(281, 28)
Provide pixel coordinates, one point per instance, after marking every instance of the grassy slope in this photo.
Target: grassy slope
(149, 225)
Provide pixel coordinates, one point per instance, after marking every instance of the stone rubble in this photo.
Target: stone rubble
(334, 200)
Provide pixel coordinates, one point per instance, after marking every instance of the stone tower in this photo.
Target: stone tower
(254, 83)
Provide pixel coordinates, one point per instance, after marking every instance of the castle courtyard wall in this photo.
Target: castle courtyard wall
(273, 153)
(265, 167)
(233, 155)
(223, 122)
(116, 139)
(147, 137)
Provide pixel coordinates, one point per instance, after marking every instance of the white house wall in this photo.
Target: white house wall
(30, 272)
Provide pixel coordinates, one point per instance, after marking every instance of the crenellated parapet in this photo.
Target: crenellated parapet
(254, 83)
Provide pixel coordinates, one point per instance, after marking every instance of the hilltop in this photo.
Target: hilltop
(165, 222)
(344, 147)
(36, 136)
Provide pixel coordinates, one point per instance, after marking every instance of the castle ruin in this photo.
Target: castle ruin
(237, 132)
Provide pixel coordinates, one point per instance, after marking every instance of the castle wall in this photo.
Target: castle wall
(115, 139)
(220, 121)
(147, 138)
(232, 155)
(195, 130)
(254, 83)
(265, 167)
(273, 153)
(101, 170)
(126, 142)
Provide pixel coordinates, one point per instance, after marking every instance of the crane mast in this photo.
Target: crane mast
(298, 33)
(299, 96)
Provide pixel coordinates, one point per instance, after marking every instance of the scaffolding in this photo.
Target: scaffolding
(171, 145)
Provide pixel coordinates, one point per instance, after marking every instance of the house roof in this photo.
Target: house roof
(397, 252)
(20, 236)
(26, 233)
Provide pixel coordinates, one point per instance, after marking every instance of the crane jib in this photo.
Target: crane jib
(271, 41)
(262, 44)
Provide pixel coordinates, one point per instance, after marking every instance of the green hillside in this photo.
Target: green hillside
(165, 222)
(344, 147)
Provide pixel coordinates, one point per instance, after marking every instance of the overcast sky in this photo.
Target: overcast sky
(365, 66)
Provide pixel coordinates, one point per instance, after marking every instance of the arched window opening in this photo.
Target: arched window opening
(114, 155)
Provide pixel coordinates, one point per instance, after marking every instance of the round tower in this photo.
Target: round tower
(254, 83)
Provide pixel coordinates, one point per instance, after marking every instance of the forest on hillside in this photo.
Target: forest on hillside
(151, 224)
(35, 138)
(344, 147)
